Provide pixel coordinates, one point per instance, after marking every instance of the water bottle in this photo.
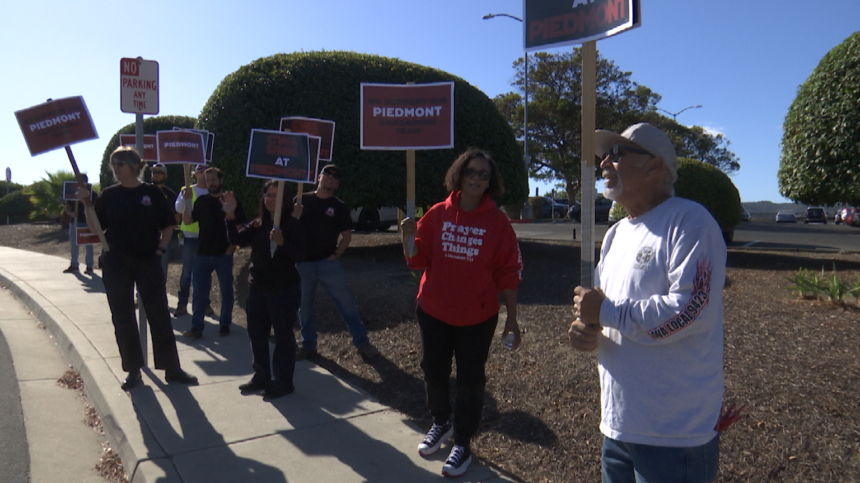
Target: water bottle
(509, 341)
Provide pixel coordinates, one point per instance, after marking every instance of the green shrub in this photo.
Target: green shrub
(17, 206)
(326, 85)
(712, 188)
(175, 174)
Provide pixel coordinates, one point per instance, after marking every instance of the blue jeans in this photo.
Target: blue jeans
(202, 281)
(73, 245)
(165, 258)
(189, 250)
(333, 279)
(640, 463)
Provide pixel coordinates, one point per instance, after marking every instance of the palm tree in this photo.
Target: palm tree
(47, 195)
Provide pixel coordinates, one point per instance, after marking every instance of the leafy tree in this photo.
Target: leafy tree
(555, 115)
(175, 173)
(46, 195)
(326, 85)
(820, 160)
(11, 187)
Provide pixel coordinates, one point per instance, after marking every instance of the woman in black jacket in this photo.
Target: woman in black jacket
(274, 291)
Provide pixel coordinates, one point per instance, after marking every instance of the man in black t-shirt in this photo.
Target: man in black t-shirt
(159, 177)
(214, 252)
(328, 231)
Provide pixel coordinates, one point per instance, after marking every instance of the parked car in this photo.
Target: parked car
(602, 206)
(553, 208)
(837, 218)
(786, 216)
(815, 215)
(369, 219)
(850, 216)
(745, 215)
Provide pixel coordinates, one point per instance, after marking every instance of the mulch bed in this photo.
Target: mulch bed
(792, 362)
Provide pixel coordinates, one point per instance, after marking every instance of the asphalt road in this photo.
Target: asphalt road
(14, 450)
(756, 234)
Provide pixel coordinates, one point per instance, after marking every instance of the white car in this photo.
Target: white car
(786, 216)
(369, 219)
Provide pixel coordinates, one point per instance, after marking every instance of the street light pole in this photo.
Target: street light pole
(675, 114)
(526, 158)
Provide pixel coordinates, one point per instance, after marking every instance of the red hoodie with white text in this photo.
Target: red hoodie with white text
(469, 258)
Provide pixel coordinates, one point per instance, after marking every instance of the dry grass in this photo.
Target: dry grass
(792, 362)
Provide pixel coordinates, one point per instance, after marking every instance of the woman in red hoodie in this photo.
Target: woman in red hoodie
(469, 254)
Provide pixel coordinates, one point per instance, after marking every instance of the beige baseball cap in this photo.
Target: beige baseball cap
(644, 135)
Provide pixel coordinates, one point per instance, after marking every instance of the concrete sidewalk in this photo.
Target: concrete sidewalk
(327, 431)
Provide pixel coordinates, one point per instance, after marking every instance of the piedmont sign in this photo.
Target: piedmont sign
(554, 23)
(149, 151)
(56, 124)
(407, 116)
(180, 147)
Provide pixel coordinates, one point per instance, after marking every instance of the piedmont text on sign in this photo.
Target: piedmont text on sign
(138, 86)
(149, 152)
(554, 23)
(180, 147)
(407, 116)
(315, 127)
(55, 124)
(279, 155)
(85, 236)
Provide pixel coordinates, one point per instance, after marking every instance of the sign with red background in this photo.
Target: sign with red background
(149, 152)
(55, 124)
(85, 236)
(407, 116)
(554, 23)
(315, 127)
(180, 147)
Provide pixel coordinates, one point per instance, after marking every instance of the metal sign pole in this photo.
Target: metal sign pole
(589, 100)
(141, 318)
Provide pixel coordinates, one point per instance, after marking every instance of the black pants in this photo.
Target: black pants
(440, 342)
(120, 273)
(276, 308)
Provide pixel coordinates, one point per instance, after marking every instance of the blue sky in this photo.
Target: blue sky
(741, 60)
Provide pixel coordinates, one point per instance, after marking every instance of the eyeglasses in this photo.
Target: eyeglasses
(471, 173)
(618, 150)
(270, 195)
(332, 174)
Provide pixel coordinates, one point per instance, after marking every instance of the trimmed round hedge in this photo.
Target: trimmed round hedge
(175, 174)
(707, 185)
(326, 85)
(820, 161)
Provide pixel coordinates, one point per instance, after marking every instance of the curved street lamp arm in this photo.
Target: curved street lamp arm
(494, 15)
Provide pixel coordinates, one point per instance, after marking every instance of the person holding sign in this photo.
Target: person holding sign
(77, 211)
(159, 177)
(655, 318)
(469, 254)
(138, 224)
(274, 290)
(214, 253)
(328, 229)
(190, 239)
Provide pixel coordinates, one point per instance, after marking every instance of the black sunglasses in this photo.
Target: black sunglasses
(332, 174)
(471, 173)
(619, 149)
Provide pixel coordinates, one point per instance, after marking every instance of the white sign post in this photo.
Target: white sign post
(138, 86)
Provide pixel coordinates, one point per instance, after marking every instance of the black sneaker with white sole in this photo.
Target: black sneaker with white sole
(458, 461)
(437, 435)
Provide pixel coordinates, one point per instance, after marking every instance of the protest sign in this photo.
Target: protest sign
(149, 151)
(180, 147)
(85, 236)
(555, 23)
(315, 127)
(70, 190)
(407, 116)
(279, 155)
(56, 124)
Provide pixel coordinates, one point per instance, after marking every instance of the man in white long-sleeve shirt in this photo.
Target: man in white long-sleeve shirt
(190, 234)
(656, 319)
